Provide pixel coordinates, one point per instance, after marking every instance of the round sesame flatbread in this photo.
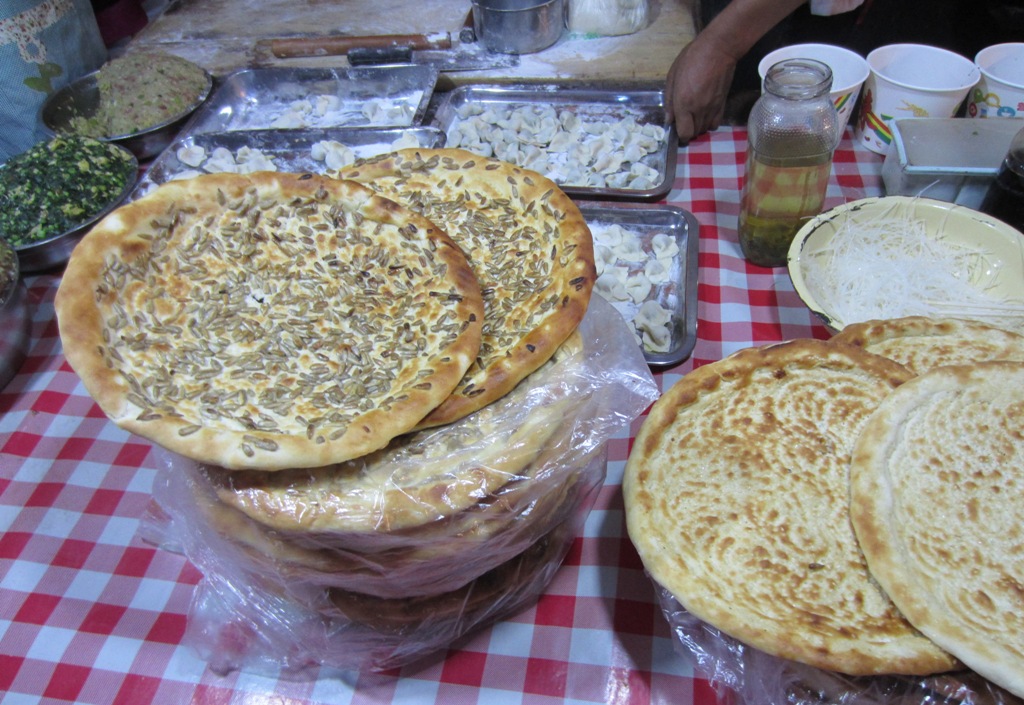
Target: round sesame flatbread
(736, 498)
(920, 343)
(937, 492)
(268, 320)
(527, 243)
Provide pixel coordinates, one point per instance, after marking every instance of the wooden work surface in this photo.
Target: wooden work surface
(226, 35)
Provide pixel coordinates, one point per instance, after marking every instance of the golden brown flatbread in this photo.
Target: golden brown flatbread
(527, 242)
(444, 616)
(921, 343)
(268, 320)
(421, 560)
(416, 480)
(736, 497)
(937, 488)
(403, 558)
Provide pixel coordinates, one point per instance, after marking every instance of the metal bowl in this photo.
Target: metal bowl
(81, 98)
(518, 26)
(15, 321)
(54, 251)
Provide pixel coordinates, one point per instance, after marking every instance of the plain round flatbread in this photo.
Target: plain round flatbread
(736, 497)
(921, 344)
(937, 487)
(527, 243)
(268, 320)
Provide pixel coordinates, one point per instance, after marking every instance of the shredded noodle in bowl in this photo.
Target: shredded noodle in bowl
(900, 256)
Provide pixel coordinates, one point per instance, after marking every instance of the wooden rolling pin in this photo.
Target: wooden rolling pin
(336, 45)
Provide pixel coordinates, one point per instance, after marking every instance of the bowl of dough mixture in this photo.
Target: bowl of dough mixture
(139, 101)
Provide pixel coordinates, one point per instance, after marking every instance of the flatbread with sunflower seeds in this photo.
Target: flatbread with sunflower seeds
(268, 320)
(418, 479)
(527, 243)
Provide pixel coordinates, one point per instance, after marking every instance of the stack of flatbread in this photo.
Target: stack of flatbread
(851, 505)
(368, 372)
(425, 515)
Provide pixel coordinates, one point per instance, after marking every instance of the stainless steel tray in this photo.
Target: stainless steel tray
(254, 99)
(289, 150)
(646, 106)
(680, 293)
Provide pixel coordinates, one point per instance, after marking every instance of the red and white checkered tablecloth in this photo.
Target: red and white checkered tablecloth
(89, 613)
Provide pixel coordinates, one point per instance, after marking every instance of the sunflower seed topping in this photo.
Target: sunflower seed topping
(273, 317)
(511, 239)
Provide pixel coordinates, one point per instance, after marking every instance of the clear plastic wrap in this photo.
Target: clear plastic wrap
(757, 677)
(607, 17)
(380, 562)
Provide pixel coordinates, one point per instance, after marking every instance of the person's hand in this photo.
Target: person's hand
(697, 88)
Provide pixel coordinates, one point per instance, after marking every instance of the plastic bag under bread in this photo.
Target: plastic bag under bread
(754, 676)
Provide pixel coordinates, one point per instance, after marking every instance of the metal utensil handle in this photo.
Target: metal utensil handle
(287, 47)
(373, 56)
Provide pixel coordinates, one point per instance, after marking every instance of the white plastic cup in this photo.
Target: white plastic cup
(1000, 92)
(911, 80)
(849, 71)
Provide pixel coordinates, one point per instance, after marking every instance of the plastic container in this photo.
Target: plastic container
(1005, 196)
(948, 159)
(792, 131)
(607, 18)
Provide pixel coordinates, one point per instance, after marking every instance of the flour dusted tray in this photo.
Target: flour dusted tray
(280, 150)
(595, 144)
(627, 239)
(304, 98)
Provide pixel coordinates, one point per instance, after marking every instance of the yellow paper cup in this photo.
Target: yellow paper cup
(849, 71)
(1000, 92)
(911, 80)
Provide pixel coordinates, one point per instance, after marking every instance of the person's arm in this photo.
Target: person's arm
(698, 82)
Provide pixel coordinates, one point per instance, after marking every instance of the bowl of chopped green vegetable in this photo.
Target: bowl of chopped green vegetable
(53, 193)
(139, 101)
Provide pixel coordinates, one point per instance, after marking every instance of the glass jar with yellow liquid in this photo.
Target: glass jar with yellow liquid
(792, 132)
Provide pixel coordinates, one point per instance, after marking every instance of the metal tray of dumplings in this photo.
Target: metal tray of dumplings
(311, 98)
(596, 108)
(679, 293)
(286, 150)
